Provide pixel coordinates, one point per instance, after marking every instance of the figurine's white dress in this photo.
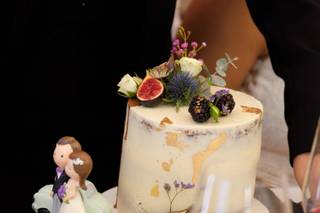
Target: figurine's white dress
(75, 204)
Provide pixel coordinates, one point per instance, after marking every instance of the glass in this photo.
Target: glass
(311, 186)
(238, 193)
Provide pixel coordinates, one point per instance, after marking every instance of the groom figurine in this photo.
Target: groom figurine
(64, 147)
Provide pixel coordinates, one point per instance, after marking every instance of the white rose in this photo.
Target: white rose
(128, 86)
(190, 65)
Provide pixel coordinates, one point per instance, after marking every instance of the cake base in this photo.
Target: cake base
(111, 194)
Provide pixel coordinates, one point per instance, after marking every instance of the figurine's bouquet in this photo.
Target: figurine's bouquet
(62, 192)
(180, 79)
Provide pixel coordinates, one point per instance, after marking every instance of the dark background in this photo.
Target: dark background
(71, 55)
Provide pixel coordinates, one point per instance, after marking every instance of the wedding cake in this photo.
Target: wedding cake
(169, 153)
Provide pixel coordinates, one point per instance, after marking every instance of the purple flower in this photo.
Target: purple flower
(184, 45)
(222, 92)
(194, 45)
(61, 191)
(176, 184)
(59, 170)
(167, 187)
(181, 87)
(176, 42)
(218, 94)
(189, 186)
(183, 185)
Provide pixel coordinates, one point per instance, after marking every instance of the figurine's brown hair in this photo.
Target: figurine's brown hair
(75, 145)
(83, 170)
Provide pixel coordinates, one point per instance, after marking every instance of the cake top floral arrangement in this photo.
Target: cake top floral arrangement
(183, 80)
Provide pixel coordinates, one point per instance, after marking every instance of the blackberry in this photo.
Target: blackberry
(224, 101)
(199, 109)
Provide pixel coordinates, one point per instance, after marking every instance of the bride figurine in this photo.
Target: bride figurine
(78, 169)
(75, 194)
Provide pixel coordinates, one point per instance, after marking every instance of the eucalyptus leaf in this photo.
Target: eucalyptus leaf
(221, 70)
(205, 69)
(222, 66)
(204, 88)
(217, 80)
(221, 62)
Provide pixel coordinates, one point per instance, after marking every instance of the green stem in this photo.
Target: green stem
(174, 197)
(169, 201)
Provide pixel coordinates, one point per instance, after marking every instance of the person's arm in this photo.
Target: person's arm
(226, 26)
(300, 165)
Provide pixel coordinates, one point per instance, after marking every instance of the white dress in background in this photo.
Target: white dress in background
(266, 86)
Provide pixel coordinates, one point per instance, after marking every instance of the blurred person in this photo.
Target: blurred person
(226, 26)
(292, 37)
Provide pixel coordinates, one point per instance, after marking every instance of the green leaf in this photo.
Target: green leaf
(214, 112)
(204, 86)
(166, 100)
(178, 105)
(217, 80)
(222, 67)
(131, 94)
(206, 70)
(123, 95)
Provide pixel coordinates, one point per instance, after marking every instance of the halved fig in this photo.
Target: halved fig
(150, 91)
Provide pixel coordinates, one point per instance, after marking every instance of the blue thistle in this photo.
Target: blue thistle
(180, 89)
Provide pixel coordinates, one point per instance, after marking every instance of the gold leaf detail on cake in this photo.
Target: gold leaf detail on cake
(165, 121)
(181, 211)
(251, 109)
(125, 133)
(166, 166)
(155, 191)
(203, 155)
(172, 140)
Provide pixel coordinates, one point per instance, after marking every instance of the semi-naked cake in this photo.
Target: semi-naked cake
(165, 153)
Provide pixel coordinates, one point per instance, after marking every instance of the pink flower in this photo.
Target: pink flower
(180, 52)
(174, 50)
(192, 54)
(204, 44)
(194, 45)
(184, 45)
(176, 42)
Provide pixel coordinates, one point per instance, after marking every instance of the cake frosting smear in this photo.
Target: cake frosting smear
(189, 144)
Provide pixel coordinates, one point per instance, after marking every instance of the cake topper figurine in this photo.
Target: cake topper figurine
(71, 191)
(78, 168)
(64, 147)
